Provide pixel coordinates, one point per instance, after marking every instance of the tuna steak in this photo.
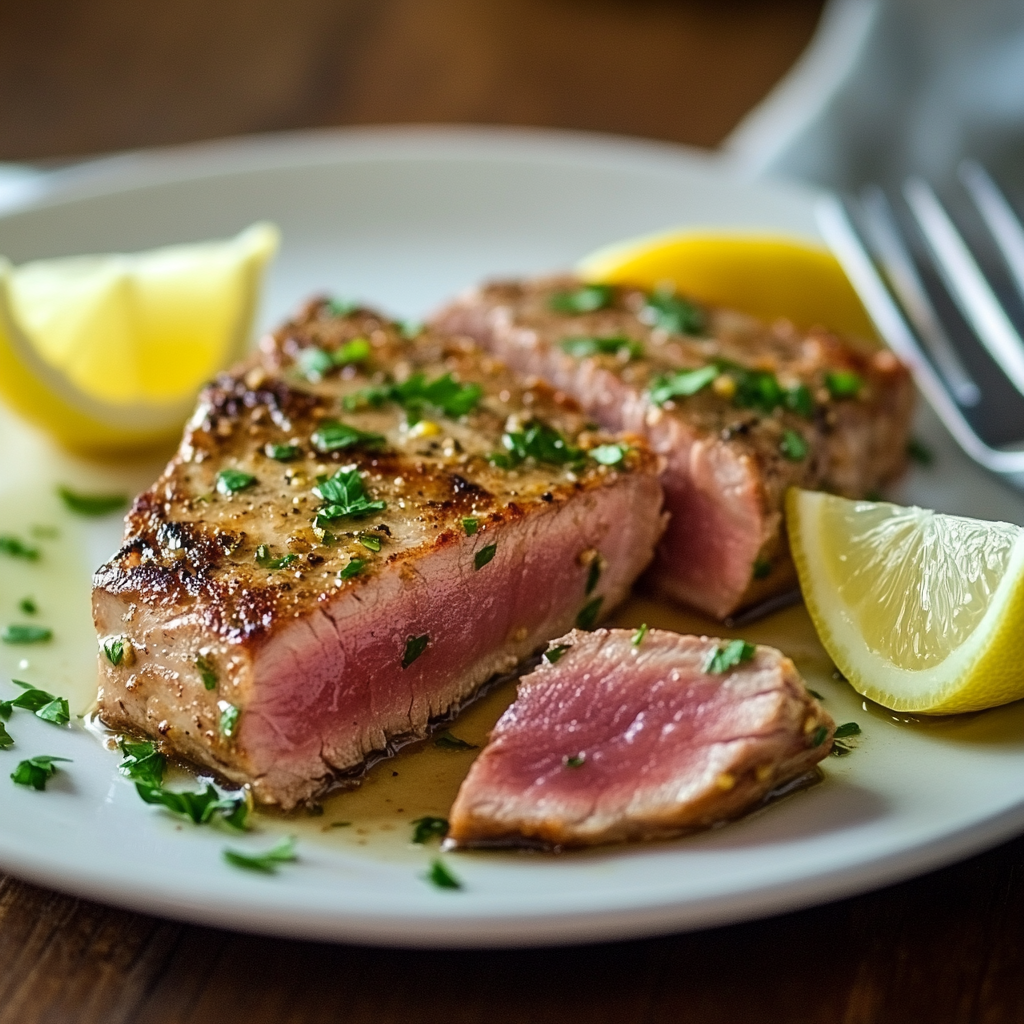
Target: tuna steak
(356, 532)
(740, 411)
(611, 740)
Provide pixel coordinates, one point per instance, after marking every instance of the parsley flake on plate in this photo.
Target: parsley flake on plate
(43, 705)
(335, 436)
(198, 807)
(553, 654)
(589, 612)
(844, 732)
(638, 636)
(843, 384)
(282, 452)
(16, 548)
(37, 771)
(470, 525)
(229, 715)
(414, 647)
(588, 298)
(537, 441)
(793, 446)
(266, 560)
(608, 454)
(19, 633)
(282, 852)
(441, 877)
(27, 606)
(91, 504)
(919, 452)
(670, 313)
(6, 739)
(231, 481)
(575, 761)
(370, 541)
(425, 829)
(583, 348)
(484, 555)
(681, 384)
(207, 672)
(734, 653)
(344, 496)
(142, 762)
(446, 741)
(354, 567)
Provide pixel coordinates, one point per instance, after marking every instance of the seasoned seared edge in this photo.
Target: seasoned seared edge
(252, 644)
(621, 742)
(729, 456)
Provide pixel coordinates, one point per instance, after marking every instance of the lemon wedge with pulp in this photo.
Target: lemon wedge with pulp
(107, 352)
(920, 611)
(766, 276)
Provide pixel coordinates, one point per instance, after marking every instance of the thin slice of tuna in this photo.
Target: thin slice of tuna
(739, 410)
(357, 531)
(612, 740)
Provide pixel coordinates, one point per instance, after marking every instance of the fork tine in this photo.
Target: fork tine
(839, 231)
(998, 215)
(883, 234)
(966, 283)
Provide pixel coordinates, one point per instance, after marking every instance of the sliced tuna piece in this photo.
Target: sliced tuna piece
(740, 411)
(357, 531)
(609, 740)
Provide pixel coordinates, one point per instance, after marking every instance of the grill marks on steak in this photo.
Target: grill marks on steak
(617, 742)
(725, 474)
(312, 658)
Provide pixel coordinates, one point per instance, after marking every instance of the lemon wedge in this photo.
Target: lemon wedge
(106, 353)
(920, 611)
(766, 276)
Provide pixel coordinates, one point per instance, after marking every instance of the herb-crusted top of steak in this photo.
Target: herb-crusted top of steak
(741, 410)
(325, 495)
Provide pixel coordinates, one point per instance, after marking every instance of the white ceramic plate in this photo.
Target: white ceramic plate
(404, 219)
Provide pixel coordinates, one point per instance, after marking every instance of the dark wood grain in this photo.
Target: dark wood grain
(79, 78)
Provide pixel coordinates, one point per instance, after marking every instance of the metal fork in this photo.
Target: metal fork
(939, 311)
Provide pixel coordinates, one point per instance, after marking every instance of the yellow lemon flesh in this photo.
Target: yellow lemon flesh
(766, 276)
(920, 611)
(106, 353)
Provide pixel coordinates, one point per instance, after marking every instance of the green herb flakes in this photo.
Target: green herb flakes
(344, 496)
(484, 555)
(843, 384)
(793, 446)
(819, 736)
(446, 741)
(37, 771)
(114, 648)
(440, 876)
(416, 395)
(198, 807)
(798, 399)
(91, 504)
(282, 852)
(142, 762)
(608, 454)
(334, 436)
(414, 647)
(553, 654)
(282, 452)
(470, 525)
(734, 653)
(670, 313)
(43, 705)
(539, 442)
(582, 348)
(844, 732)
(230, 481)
(207, 672)
(425, 829)
(314, 363)
(638, 636)
(815, 694)
(266, 560)
(25, 634)
(762, 569)
(370, 541)
(576, 761)
(587, 299)
(229, 715)
(27, 606)
(354, 568)
(341, 307)
(589, 612)
(6, 739)
(354, 351)
(17, 549)
(919, 452)
(681, 384)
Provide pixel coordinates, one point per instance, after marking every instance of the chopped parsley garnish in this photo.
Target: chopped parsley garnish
(414, 647)
(470, 525)
(207, 672)
(229, 715)
(42, 704)
(446, 741)
(576, 761)
(843, 732)
(341, 307)
(553, 654)
(37, 771)
(734, 653)
(354, 351)
(24, 634)
(142, 762)
(815, 694)
(27, 606)
(843, 384)
(198, 807)
(608, 454)
(370, 541)
(440, 876)
(919, 452)
(282, 852)
(587, 299)
(819, 736)
(673, 314)
(354, 568)
(266, 560)
(588, 613)
(582, 348)
(425, 829)
(762, 569)
(681, 384)
(114, 648)
(91, 504)
(793, 446)
(484, 555)
(17, 549)
(282, 452)
(334, 436)
(538, 441)
(798, 399)
(638, 636)
(6, 739)
(594, 572)
(230, 481)
(344, 496)
(416, 395)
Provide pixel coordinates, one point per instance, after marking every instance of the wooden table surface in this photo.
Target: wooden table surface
(82, 78)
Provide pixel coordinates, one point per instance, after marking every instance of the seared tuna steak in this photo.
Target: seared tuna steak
(740, 410)
(612, 739)
(356, 532)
